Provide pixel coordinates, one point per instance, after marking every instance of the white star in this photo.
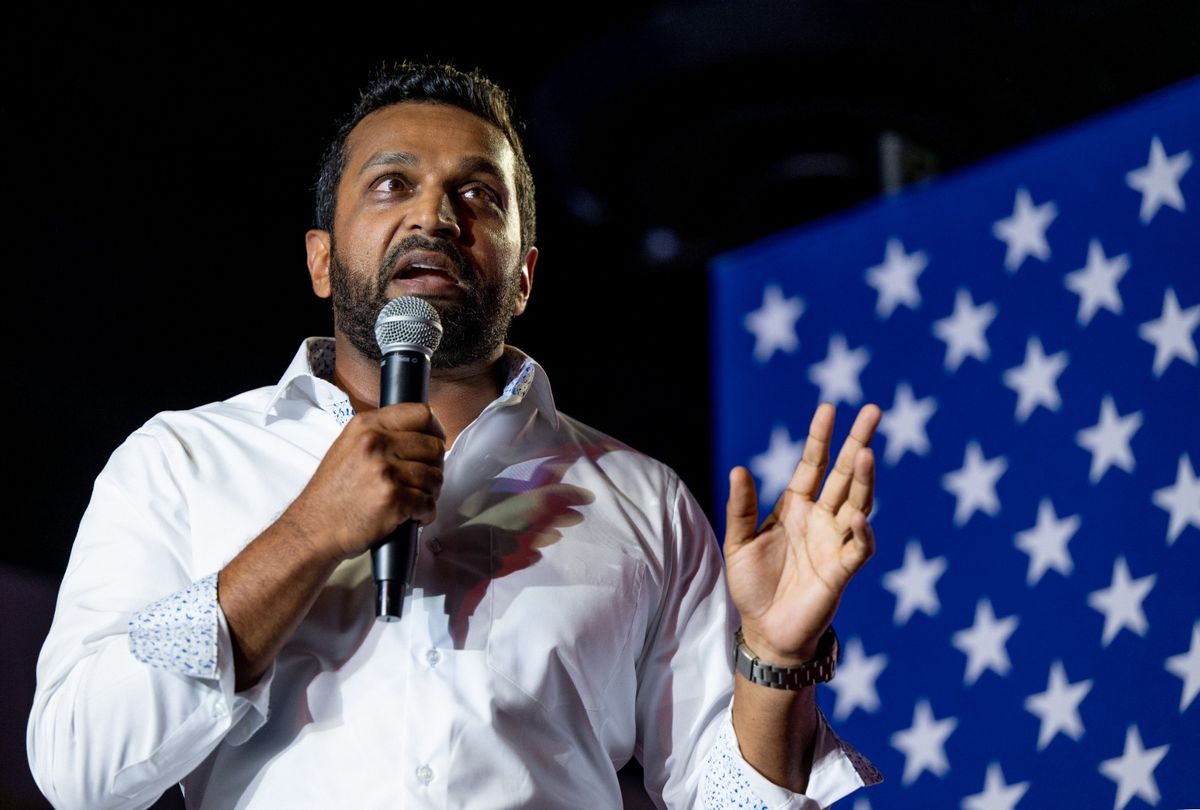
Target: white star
(855, 680)
(974, 484)
(1187, 666)
(1058, 706)
(1133, 771)
(774, 468)
(1171, 333)
(1025, 231)
(1108, 439)
(996, 794)
(1096, 283)
(904, 424)
(962, 331)
(913, 583)
(923, 743)
(983, 642)
(837, 374)
(862, 804)
(896, 279)
(1121, 602)
(1181, 500)
(774, 323)
(1158, 180)
(1046, 543)
(1036, 380)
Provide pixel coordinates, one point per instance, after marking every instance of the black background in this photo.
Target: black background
(160, 171)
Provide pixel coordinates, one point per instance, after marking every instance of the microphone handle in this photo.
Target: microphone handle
(403, 377)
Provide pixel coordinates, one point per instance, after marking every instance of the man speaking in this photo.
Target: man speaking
(568, 608)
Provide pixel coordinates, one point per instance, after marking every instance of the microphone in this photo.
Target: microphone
(408, 331)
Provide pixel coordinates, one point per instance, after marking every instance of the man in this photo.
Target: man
(568, 610)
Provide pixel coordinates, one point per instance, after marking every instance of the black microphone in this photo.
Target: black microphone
(408, 331)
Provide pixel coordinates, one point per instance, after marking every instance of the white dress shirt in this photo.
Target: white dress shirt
(568, 612)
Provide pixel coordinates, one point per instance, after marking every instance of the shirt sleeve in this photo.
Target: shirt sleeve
(110, 728)
(686, 740)
(186, 633)
(838, 769)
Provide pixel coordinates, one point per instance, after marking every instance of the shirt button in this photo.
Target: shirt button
(424, 774)
(433, 657)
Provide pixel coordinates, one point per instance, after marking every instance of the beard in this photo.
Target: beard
(472, 327)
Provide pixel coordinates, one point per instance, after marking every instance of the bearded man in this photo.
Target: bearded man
(569, 609)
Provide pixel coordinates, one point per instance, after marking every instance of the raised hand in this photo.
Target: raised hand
(786, 577)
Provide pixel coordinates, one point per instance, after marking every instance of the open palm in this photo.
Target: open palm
(786, 577)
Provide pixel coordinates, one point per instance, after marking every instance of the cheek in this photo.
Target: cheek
(504, 243)
(364, 249)
(366, 233)
(491, 247)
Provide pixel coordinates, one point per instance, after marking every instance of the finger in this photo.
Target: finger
(436, 428)
(417, 505)
(837, 486)
(862, 487)
(811, 469)
(861, 545)
(416, 447)
(418, 476)
(408, 416)
(741, 510)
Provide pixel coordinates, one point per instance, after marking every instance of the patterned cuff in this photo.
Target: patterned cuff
(725, 782)
(731, 782)
(838, 768)
(178, 633)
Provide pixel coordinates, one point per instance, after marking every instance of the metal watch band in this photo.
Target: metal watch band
(820, 670)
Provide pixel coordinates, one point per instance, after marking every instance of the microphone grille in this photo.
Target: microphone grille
(408, 322)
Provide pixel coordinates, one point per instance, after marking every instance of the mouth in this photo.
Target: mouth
(427, 268)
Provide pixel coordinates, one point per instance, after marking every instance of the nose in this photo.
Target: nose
(435, 215)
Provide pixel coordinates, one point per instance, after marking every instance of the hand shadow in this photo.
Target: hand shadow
(501, 529)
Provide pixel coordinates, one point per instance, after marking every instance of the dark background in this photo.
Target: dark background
(159, 172)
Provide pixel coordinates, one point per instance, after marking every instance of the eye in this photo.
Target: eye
(478, 191)
(392, 184)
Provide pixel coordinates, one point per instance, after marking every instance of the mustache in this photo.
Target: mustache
(466, 273)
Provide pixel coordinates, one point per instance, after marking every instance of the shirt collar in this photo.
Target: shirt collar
(526, 379)
(310, 375)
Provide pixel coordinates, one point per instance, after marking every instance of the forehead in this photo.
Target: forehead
(431, 132)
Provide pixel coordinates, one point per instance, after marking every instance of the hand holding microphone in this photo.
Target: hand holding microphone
(380, 479)
(383, 471)
(408, 331)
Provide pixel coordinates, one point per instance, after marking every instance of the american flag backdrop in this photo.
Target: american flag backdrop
(1028, 632)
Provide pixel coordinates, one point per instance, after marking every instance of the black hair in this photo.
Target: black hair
(437, 83)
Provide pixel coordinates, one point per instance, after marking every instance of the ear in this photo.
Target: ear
(527, 266)
(317, 245)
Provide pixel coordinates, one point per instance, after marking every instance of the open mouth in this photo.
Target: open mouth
(427, 268)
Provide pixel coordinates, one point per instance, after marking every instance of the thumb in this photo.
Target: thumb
(741, 512)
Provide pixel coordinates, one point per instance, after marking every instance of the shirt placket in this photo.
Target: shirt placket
(425, 766)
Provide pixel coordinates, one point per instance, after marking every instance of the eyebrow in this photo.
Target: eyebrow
(475, 164)
(390, 159)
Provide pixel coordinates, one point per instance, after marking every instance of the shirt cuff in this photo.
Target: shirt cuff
(178, 633)
(837, 770)
(186, 633)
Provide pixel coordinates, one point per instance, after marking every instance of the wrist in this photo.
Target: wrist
(819, 668)
(768, 654)
(308, 539)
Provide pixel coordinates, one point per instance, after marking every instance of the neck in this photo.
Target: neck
(457, 395)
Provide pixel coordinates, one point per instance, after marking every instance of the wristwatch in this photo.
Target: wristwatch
(818, 670)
